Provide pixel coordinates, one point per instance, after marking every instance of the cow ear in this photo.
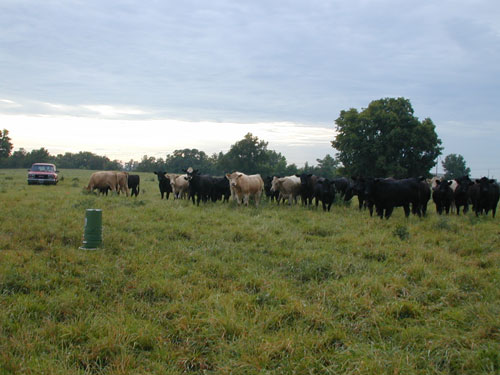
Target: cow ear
(239, 175)
(437, 182)
(228, 176)
(450, 182)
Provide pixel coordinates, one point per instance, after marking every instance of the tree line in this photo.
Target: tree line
(384, 139)
(250, 154)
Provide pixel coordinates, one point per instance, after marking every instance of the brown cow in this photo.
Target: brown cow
(122, 182)
(288, 187)
(180, 186)
(245, 186)
(103, 181)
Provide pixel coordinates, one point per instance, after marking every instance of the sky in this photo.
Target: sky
(130, 78)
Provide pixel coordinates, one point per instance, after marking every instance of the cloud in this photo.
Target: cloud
(253, 62)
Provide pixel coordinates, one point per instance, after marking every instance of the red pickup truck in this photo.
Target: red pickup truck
(42, 173)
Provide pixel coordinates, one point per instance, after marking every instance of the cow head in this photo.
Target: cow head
(304, 178)
(463, 185)
(160, 175)
(327, 186)
(233, 178)
(442, 186)
(191, 173)
(275, 184)
(484, 185)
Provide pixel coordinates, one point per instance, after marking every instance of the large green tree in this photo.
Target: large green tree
(189, 157)
(386, 139)
(5, 144)
(250, 155)
(454, 166)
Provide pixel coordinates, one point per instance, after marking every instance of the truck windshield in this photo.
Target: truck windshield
(42, 168)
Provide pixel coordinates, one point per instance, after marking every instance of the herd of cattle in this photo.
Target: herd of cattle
(383, 194)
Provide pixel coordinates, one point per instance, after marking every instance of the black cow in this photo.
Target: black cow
(341, 185)
(442, 195)
(133, 184)
(307, 187)
(272, 195)
(324, 191)
(163, 184)
(357, 187)
(424, 195)
(221, 189)
(485, 195)
(388, 193)
(200, 185)
(462, 194)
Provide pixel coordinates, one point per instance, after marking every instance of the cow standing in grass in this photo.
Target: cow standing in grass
(461, 195)
(103, 181)
(122, 182)
(200, 186)
(324, 191)
(485, 195)
(288, 188)
(442, 195)
(163, 184)
(307, 182)
(389, 193)
(133, 184)
(245, 187)
(179, 184)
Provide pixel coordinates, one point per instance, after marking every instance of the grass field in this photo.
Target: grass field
(218, 289)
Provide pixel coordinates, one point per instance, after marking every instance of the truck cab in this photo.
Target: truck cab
(43, 174)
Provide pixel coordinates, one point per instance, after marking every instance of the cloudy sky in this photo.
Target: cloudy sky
(128, 78)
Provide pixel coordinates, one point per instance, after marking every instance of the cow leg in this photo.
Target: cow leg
(407, 210)
(370, 208)
(388, 212)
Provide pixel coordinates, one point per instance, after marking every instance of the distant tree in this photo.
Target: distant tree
(17, 159)
(308, 168)
(5, 144)
(386, 139)
(183, 159)
(327, 167)
(454, 166)
(151, 164)
(38, 156)
(131, 165)
(249, 155)
(290, 170)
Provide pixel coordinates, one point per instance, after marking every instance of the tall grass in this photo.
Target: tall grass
(226, 290)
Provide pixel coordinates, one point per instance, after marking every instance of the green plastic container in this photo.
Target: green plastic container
(92, 234)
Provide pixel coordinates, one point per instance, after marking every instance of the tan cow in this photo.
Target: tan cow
(288, 187)
(180, 185)
(103, 180)
(122, 182)
(245, 186)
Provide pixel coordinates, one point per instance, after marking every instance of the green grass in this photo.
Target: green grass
(218, 289)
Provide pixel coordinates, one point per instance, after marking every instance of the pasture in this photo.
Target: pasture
(217, 289)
